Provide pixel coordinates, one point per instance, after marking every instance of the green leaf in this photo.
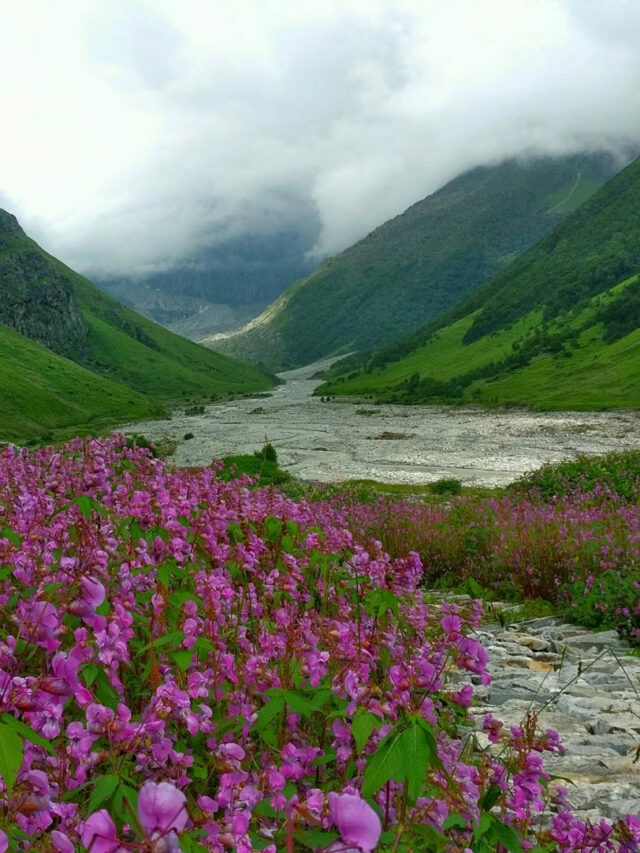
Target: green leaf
(7, 533)
(437, 841)
(125, 804)
(299, 703)
(416, 754)
(483, 826)
(235, 533)
(454, 821)
(490, 798)
(289, 790)
(265, 809)
(507, 836)
(27, 732)
(364, 722)
(89, 673)
(378, 601)
(175, 637)
(11, 751)
(386, 763)
(258, 842)
(273, 528)
(103, 790)
(269, 712)
(106, 692)
(317, 839)
(327, 757)
(183, 658)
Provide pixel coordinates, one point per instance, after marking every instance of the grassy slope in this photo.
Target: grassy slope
(44, 394)
(172, 367)
(558, 288)
(593, 374)
(422, 262)
(131, 368)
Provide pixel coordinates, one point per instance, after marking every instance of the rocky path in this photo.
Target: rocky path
(586, 686)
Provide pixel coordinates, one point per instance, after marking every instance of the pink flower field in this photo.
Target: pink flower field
(188, 664)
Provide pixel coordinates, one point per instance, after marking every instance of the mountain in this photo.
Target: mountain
(559, 328)
(98, 359)
(223, 286)
(419, 264)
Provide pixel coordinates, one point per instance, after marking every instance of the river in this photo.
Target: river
(341, 440)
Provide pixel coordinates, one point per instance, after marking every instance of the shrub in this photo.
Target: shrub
(268, 453)
(615, 473)
(446, 486)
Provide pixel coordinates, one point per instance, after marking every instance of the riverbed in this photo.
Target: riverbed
(342, 440)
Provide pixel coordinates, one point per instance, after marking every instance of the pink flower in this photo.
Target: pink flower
(60, 842)
(162, 807)
(99, 833)
(93, 591)
(355, 820)
(451, 623)
(4, 842)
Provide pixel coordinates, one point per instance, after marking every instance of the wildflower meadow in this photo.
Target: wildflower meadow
(189, 664)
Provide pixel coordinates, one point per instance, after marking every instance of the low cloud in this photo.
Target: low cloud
(142, 133)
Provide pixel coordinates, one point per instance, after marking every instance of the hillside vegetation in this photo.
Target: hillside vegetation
(421, 263)
(79, 358)
(559, 328)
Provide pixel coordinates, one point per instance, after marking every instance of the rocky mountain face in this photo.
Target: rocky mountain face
(35, 299)
(225, 285)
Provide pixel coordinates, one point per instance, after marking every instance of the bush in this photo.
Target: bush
(612, 473)
(268, 453)
(446, 486)
(194, 410)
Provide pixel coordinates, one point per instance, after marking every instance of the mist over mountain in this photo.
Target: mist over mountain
(225, 285)
(420, 263)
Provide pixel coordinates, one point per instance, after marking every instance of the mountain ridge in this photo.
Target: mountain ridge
(418, 264)
(558, 328)
(56, 309)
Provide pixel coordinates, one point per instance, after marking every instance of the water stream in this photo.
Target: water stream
(341, 440)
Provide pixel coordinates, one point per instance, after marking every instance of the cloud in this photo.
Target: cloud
(139, 133)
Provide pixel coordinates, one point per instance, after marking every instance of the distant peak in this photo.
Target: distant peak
(9, 224)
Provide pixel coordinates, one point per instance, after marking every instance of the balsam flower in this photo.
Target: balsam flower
(355, 820)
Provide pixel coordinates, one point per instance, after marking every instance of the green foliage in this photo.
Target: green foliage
(446, 486)
(621, 316)
(558, 328)
(264, 471)
(268, 453)
(608, 600)
(616, 472)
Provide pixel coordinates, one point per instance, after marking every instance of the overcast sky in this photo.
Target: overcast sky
(135, 133)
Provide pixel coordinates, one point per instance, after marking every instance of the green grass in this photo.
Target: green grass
(264, 471)
(588, 372)
(128, 368)
(45, 397)
(160, 363)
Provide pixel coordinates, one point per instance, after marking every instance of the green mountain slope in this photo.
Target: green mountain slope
(559, 328)
(52, 306)
(419, 264)
(44, 395)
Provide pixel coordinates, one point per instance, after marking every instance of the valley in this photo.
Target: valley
(345, 440)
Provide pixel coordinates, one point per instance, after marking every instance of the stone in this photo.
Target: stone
(536, 644)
